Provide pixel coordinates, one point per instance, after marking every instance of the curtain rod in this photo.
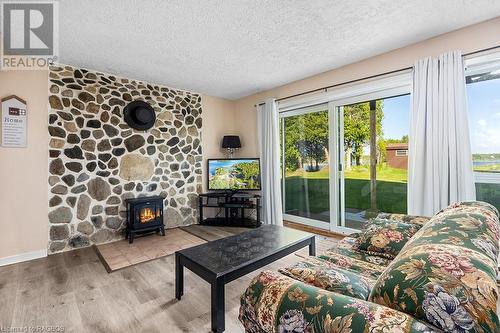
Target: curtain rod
(368, 77)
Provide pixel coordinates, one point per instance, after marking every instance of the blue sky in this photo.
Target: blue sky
(396, 122)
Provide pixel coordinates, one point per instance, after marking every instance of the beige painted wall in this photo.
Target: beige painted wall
(218, 120)
(23, 171)
(469, 39)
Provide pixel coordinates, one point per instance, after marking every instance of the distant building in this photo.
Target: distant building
(397, 155)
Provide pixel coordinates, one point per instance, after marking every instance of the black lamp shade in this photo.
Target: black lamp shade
(231, 141)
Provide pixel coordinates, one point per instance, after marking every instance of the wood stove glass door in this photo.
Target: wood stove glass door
(147, 214)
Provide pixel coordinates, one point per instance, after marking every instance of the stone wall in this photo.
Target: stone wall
(97, 161)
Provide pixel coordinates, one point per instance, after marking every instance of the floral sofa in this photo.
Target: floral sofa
(442, 280)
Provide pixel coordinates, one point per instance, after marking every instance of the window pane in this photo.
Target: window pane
(483, 94)
(361, 199)
(306, 188)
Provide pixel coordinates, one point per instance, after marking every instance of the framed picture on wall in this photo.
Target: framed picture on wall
(14, 122)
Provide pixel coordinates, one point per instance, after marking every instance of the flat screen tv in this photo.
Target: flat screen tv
(234, 174)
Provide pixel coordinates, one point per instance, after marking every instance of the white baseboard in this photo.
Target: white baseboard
(23, 257)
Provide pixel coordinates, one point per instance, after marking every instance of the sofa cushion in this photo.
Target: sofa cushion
(326, 275)
(342, 269)
(276, 303)
(386, 237)
(446, 274)
(347, 255)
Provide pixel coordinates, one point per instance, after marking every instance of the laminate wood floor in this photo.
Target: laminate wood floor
(74, 290)
(210, 233)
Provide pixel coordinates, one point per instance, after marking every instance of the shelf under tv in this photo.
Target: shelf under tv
(222, 221)
(233, 206)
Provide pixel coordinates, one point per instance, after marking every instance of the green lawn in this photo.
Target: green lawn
(489, 193)
(384, 173)
(391, 189)
(489, 168)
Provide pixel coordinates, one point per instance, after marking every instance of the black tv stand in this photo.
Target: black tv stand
(234, 205)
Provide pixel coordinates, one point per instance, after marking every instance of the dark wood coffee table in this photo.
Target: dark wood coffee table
(224, 260)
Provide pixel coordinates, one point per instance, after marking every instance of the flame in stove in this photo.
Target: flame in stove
(147, 215)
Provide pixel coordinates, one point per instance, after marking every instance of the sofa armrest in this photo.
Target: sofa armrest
(276, 303)
(412, 219)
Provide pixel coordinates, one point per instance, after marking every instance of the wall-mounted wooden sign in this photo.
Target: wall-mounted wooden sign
(14, 122)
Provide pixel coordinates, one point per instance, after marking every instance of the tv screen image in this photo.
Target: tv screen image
(234, 174)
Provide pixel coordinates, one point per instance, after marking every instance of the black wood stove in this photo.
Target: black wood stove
(144, 215)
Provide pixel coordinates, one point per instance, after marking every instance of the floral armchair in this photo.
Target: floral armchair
(443, 279)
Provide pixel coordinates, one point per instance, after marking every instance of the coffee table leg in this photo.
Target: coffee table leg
(179, 277)
(218, 311)
(312, 247)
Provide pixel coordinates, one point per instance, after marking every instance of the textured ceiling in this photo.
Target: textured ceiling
(234, 48)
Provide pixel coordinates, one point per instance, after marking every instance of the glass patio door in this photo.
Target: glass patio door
(305, 156)
(343, 161)
(373, 158)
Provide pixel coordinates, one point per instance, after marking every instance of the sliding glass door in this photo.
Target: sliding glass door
(305, 166)
(345, 161)
(373, 155)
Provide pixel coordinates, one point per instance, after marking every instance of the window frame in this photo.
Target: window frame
(379, 88)
(475, 65)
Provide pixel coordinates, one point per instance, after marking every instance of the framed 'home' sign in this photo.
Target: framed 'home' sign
(14, 122)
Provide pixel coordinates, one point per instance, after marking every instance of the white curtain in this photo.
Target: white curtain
(268, 127)
(440, 160)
